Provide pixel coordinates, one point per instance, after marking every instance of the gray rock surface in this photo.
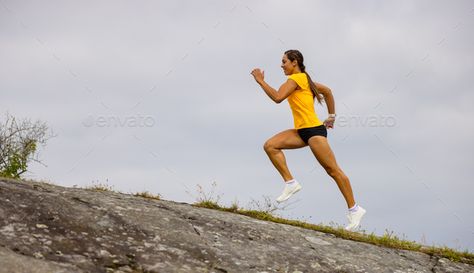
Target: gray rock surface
(48, 228)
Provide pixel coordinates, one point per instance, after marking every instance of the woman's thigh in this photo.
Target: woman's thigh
(322, 151)
(288, 139)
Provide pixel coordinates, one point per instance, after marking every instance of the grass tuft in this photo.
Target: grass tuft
(148, 195)
(101, 187)
(208, 204)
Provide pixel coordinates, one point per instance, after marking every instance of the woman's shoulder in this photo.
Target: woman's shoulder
(301, 80)
(297, 76)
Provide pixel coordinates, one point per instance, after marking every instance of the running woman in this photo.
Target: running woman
(301, 92)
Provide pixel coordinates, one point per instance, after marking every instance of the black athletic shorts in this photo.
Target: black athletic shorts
(307, 133)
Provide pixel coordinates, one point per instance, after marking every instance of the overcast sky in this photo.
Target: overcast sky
(158, 96)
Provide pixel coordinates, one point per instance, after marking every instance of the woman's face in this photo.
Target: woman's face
(287, 65)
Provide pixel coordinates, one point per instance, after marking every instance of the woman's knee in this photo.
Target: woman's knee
(269, 146)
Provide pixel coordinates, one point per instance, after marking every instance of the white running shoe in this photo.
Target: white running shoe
(354, 219)
(288, 192)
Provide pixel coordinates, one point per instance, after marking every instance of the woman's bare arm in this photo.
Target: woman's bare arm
(277, 96)
(328, 97)
(283, 92)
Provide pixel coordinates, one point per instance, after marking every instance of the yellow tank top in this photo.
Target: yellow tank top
(302, 103)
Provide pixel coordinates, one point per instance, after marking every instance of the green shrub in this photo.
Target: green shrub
(19, 140)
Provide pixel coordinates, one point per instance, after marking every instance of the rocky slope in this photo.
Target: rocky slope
(48, 228)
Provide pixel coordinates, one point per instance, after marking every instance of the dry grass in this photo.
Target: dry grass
(148, 195)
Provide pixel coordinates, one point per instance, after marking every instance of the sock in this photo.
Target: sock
(291, 182)
(354, 208)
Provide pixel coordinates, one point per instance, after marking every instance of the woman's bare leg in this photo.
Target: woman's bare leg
(320, 148)
(288, 139)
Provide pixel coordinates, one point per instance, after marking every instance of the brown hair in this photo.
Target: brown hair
(294, 54)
